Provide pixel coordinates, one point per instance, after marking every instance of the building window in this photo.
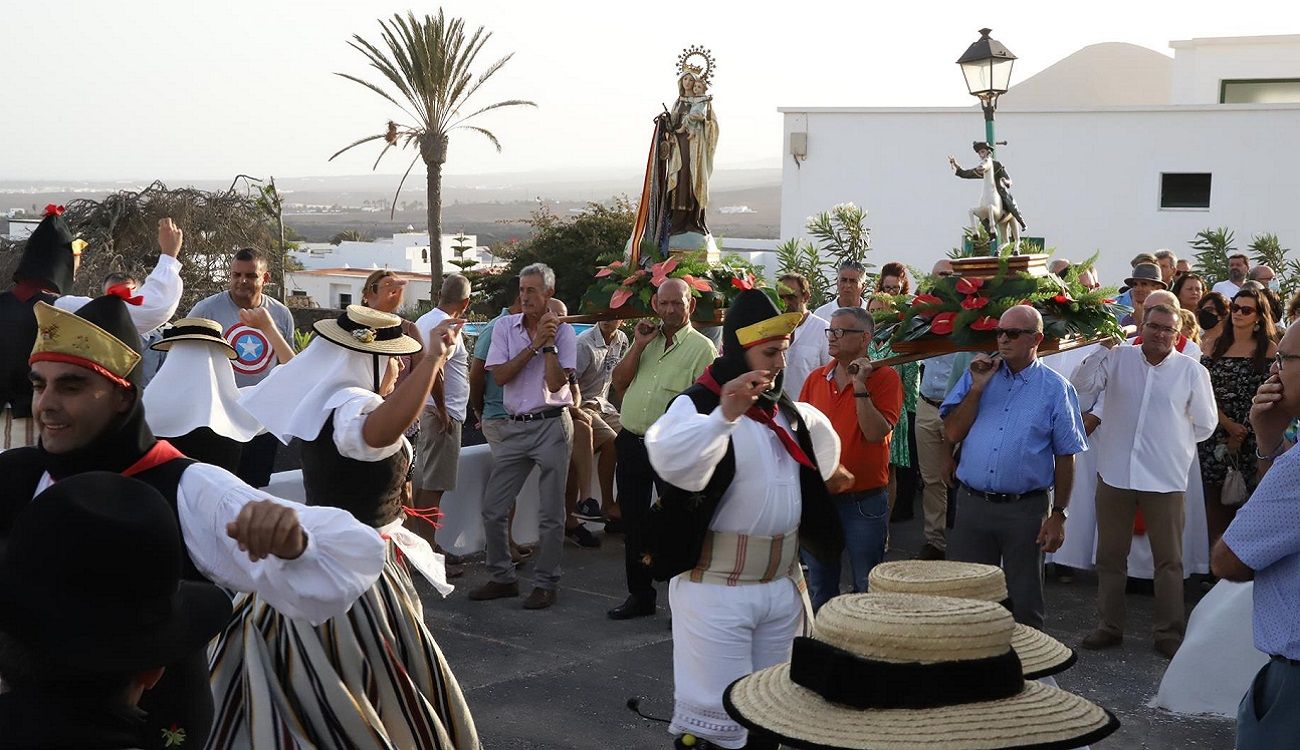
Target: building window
(345, 299)
(1185, 190)
(298, 293)
(1260, 91)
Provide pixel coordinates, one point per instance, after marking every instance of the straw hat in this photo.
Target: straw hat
(194, 329)
(363, 329)
(904, 672)
(1040, 654)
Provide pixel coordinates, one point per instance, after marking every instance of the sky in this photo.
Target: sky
(137, 90)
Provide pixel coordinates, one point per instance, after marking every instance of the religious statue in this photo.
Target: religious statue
(675, 195)
(997, 211)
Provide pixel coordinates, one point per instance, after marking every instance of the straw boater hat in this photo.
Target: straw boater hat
(1040, 654)
(363, 329)
(901, 672)
(194, 329)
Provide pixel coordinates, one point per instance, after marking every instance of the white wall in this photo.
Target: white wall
(407, 251)
(324, 289)
(1085, 180)
(1200, 65)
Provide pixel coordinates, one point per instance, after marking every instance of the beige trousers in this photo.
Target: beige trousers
(930, 452)
(1163, 514)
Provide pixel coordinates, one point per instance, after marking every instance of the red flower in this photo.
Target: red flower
(659, 271)
(1109, 301)
(974, 302)
(699, 285)
(607, 270)
(743, 282)
(985, 323)
(926, 299)
(1062, 299)
(54, 210)
(942, 323)
(969, 286)
(619, 297)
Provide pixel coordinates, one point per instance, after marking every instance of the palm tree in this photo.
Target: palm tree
(428, 61)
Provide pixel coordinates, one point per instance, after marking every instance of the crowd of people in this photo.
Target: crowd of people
(741, 474)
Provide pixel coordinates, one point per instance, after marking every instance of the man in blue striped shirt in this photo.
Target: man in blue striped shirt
(1019, 425)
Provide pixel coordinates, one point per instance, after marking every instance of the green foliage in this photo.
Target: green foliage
(842, 235)
(348, 235)
(574, 246)
(1266, 249)
(461, 247)
(301, 339)
(1211, 250)
(801, 257)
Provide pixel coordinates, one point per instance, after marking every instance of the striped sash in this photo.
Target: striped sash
(17, 432)
(741, 559)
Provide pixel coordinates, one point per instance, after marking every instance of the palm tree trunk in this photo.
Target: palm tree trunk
(434, 152)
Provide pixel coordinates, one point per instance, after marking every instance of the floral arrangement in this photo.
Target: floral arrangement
(626, 290)
(965, 311)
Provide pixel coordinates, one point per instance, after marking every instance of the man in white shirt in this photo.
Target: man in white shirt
(438, 452)
(1238, 267)
(1159, 405)
(809, 349)
(849, 286)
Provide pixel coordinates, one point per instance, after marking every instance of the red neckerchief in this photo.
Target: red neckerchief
(161, 452)
(764, 417)
(1181, 343)
(25, 290)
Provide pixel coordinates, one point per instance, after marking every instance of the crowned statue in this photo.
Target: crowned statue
(675, 194)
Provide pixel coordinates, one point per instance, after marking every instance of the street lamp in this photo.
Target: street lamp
(987, 69)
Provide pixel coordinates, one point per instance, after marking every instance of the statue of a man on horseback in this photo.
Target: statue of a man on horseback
(997, 211)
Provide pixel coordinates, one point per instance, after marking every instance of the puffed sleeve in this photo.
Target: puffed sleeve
(685, 446)
(350, 421)
(161, 293)
(342, 560)
(825, 441)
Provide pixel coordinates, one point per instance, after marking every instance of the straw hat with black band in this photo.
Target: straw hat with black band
(905, 672)
(364, 329)
(1040, 654)
(194, 329)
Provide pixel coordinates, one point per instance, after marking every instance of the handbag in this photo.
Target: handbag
(1234, 486)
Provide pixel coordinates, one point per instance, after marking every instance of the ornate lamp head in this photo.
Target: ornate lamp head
(695, 63)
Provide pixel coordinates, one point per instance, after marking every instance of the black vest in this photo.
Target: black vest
(370, 490)
(18, 323)
(206, 446)
(678, 522)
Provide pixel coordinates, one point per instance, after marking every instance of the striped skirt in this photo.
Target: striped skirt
(372, 678)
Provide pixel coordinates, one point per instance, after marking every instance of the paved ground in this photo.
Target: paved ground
(560, 678)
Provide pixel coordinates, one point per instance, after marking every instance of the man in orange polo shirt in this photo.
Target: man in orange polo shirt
(863, 404)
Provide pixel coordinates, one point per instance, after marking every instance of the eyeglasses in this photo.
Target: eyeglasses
(892, 289)
(1012, 333)
(1243, 309)
(1280, 359)
(1157, 328)
(835, 333)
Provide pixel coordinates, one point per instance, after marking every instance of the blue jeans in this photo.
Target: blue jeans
(865, 518)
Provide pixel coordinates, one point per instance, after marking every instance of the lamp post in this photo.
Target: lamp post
(987, 69)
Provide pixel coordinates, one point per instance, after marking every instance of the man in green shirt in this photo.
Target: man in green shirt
(664, 360)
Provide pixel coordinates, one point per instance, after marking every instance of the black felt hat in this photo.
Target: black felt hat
(91, 578)
(50, 253)
(980, 145)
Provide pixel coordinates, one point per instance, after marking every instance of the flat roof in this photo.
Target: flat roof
(1041, 110)
(360, 273)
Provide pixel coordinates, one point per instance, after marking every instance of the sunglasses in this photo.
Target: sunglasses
(1243, 309)
(1280, 359)
(835, 333)
(892, 289)
(1012, 333)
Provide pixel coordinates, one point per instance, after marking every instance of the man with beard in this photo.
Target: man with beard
(311, 562)
(746, 473)
(45, 271)
(1238, 269)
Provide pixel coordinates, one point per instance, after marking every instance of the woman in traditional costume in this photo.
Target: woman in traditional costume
(192, 401)
(748, 471)
(373, 678)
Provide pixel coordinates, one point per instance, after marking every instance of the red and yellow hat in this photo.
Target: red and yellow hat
(83, 338)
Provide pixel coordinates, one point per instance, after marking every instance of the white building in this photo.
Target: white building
(1116, 148)
(21, 229)
(340, 287)
(408, 251)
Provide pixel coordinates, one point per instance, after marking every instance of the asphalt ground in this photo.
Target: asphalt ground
(561, 677)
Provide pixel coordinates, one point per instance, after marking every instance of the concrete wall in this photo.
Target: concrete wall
(1085, 180)
(1200, 65)
(408, 251)
(324, 287)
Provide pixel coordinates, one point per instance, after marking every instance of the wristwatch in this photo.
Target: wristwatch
(1065, 512)
(548, 349)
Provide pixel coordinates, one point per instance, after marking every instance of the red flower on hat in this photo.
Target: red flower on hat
(54, 209)
(985, 323)
(123, 292)
(974, 302)
(926, 299)
(969, 286)
(942, 323)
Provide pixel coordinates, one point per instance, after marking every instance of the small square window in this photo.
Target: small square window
(1185, 190)
(345, 299)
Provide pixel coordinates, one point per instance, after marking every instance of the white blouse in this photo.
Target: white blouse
(161, 293)
(764, 498)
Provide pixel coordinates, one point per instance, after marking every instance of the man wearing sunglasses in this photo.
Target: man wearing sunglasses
(1020, 425)
(1159, 405)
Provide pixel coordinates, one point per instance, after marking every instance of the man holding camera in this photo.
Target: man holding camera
(664, 360)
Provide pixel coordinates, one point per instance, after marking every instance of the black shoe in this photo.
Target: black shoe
(589, 510)
(615, 526)
(581, 537)
(633, 607)
(931, 552)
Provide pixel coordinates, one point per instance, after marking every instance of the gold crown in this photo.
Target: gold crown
(776, 327)
(64, 337)
(703, 69)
